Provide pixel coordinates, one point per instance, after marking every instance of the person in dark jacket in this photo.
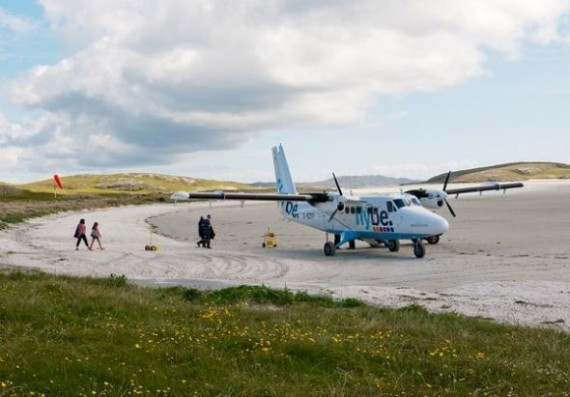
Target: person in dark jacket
(201, 232)
(207, 231)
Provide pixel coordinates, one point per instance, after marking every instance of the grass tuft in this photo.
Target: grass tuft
(252, 294)
(262, 295)
(192, 294)
(117, 281)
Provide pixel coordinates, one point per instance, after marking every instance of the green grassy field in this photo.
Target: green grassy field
(21, 202)
(130, 183)
(63, 336)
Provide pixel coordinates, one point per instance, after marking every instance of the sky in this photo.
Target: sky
(205, 88)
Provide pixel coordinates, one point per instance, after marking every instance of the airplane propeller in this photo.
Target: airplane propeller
(340, 205)
(444, 189)
(440, 195)
(450, 209)
(446, 180)
(337, 184)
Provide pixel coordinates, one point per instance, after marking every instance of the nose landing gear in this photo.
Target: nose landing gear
(432, 240)
(419, 249)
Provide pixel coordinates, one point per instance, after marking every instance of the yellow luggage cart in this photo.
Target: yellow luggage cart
(150, 246)
(269, 239)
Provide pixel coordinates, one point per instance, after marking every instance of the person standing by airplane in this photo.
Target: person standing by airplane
(80, 234)
(211, 230)
(201, 232)
(207, 231)
(96, 235)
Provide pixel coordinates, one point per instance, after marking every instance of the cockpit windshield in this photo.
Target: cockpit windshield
(406, 202)
(415, 201)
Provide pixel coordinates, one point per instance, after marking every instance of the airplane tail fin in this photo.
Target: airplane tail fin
(283, 178)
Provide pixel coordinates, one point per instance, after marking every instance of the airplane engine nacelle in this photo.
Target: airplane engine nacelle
(433, 199)
(180, 196)
(337, 203)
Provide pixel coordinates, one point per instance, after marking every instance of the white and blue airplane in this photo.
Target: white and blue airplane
(375, 219)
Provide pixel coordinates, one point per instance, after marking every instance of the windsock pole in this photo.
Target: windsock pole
(56, 183)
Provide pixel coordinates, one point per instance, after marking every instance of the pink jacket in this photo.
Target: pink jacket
(80, 229)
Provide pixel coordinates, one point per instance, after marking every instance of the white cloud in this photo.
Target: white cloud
(8, 131)
(12, 157)
(149, 80)
(14, 23)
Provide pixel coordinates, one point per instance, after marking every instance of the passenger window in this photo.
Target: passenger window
(352, 210)
(358, 210)
(346, 210)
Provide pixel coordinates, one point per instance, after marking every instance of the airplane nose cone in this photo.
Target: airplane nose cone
(427, 222)
(440, 225)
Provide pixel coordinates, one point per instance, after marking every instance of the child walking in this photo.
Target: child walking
(96, 235)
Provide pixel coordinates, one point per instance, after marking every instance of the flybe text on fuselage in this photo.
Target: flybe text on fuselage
(374, 218)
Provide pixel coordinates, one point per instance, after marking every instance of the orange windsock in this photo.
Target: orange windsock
(57, 181)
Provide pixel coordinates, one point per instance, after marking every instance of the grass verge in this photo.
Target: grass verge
(21, 205)
(67, 336)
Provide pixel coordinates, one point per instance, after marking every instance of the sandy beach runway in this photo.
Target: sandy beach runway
(505, 257)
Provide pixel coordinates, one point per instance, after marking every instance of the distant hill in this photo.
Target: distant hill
(135, 183)
(144, 183)
(9, 190)
(361, 181)
(349, 182)
(508, 172)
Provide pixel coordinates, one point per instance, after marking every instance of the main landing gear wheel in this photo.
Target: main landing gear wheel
(351, 244)
(393, 245)
(432, 240)
(419, 249)
(329, 249)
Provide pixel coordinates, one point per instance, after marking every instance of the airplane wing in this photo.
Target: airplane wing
(483, 188)
(308, 197)
(431, 198)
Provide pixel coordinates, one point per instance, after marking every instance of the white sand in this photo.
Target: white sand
(505, 257)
